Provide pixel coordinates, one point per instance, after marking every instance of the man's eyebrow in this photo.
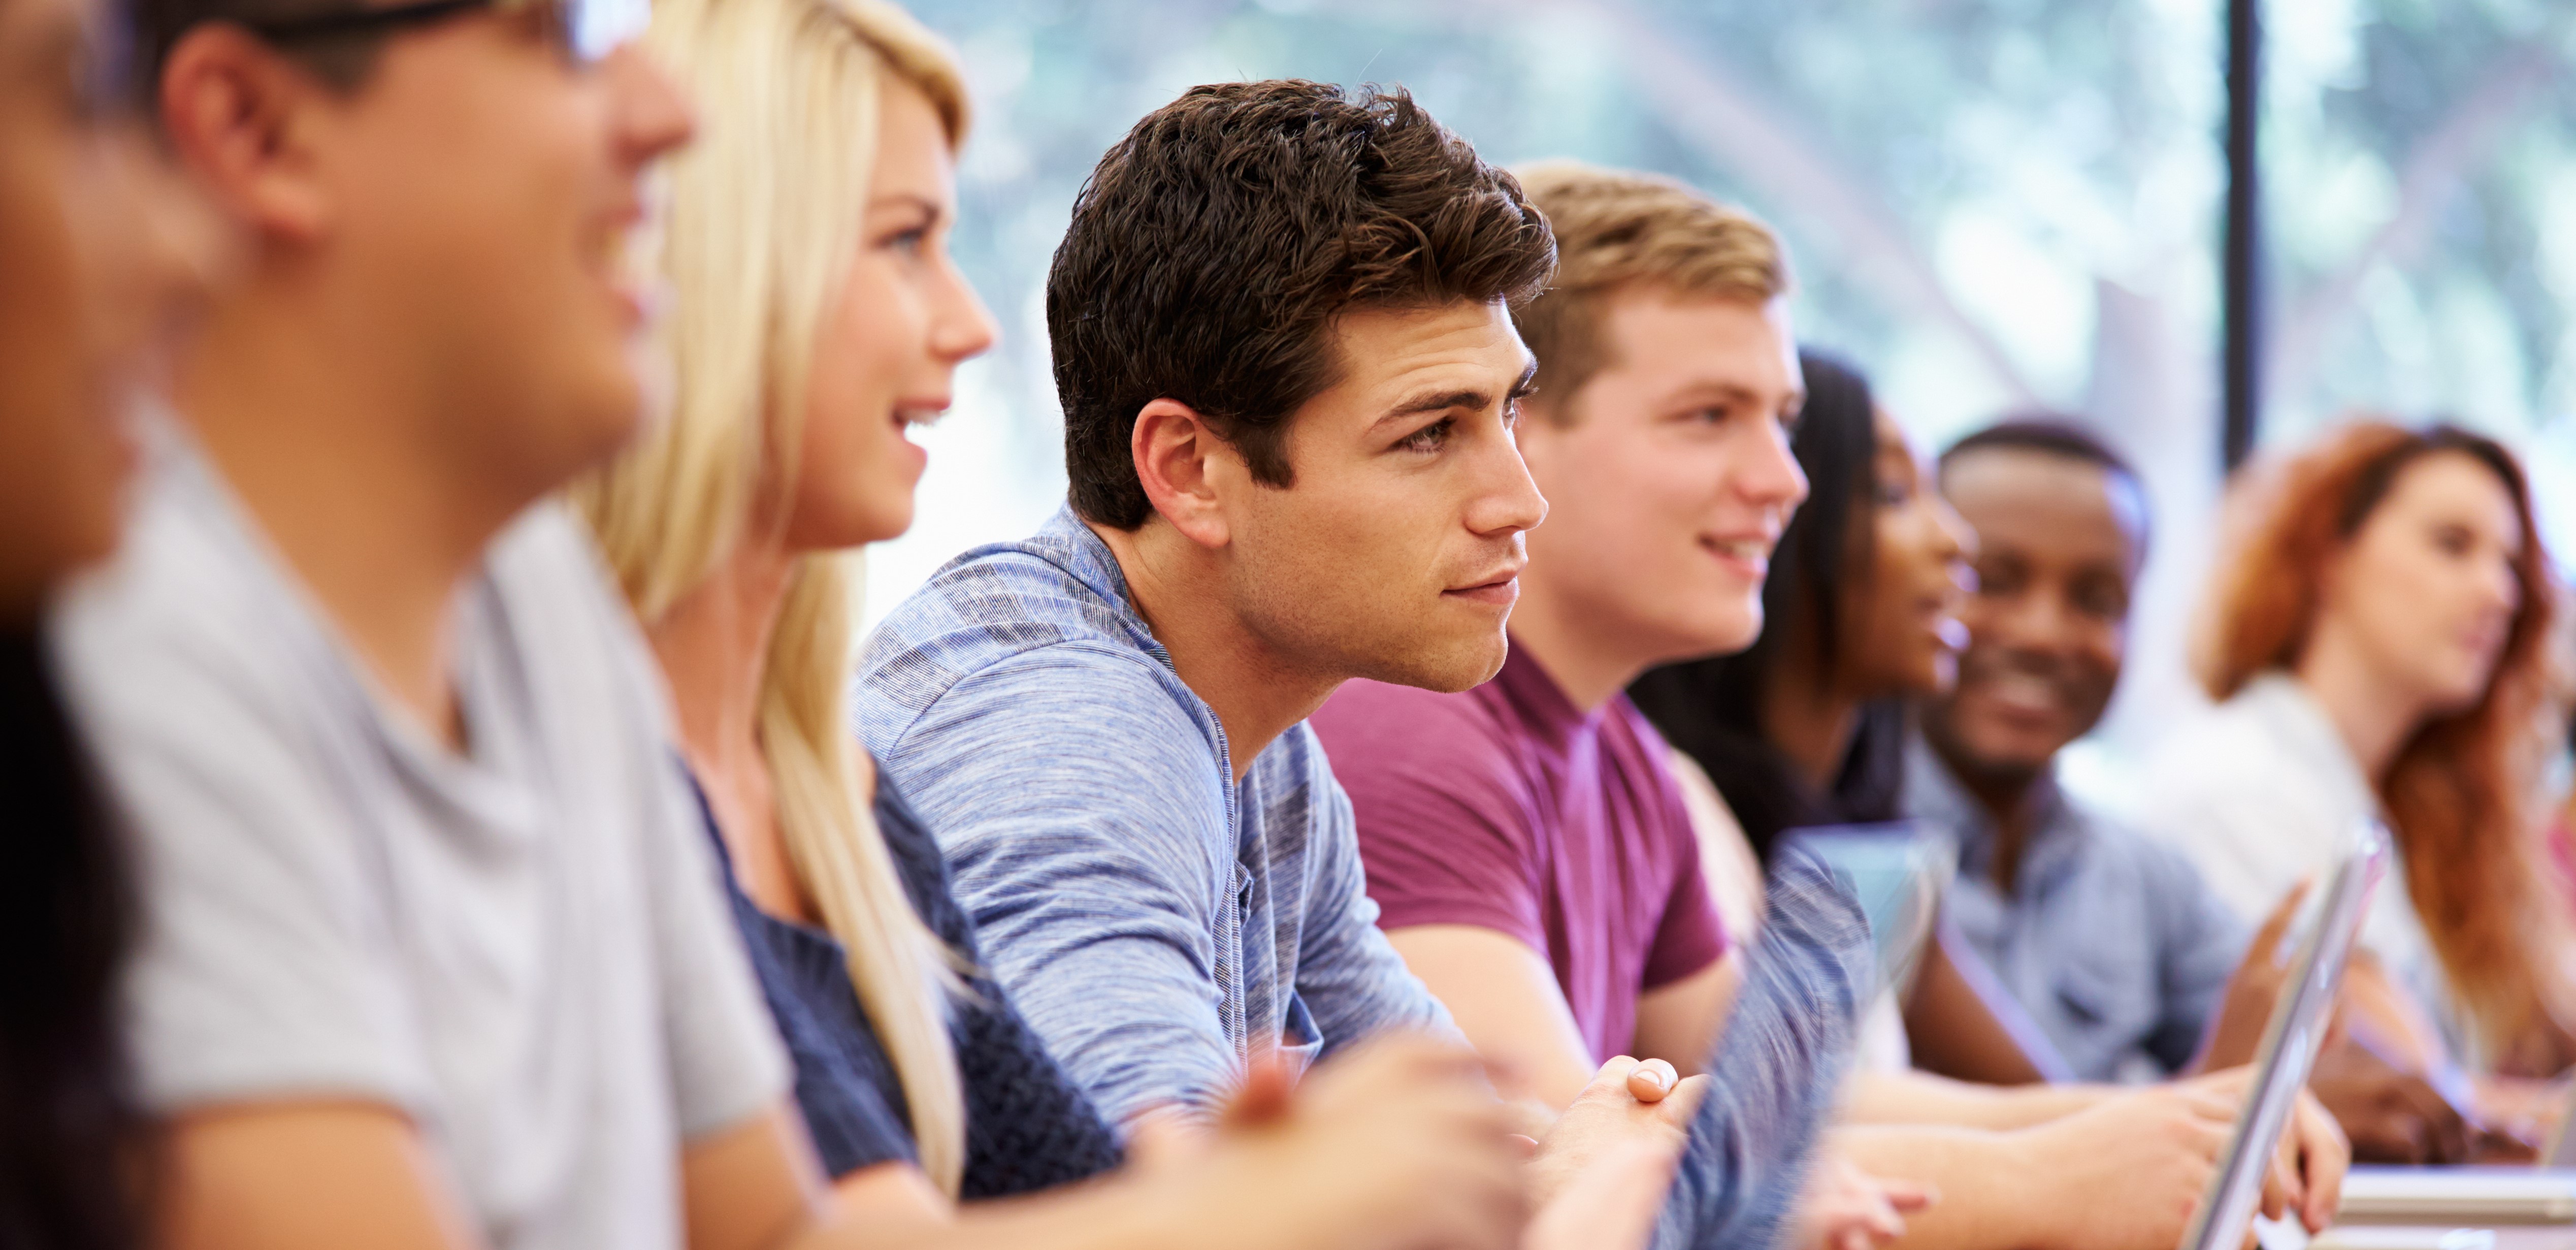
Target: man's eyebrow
(1528, 382)
(1468, 397)
(1730, 393)
(1472, 398)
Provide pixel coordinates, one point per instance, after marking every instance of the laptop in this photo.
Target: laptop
(2459, 1195)
(2290, 1042)
(2540, 1194)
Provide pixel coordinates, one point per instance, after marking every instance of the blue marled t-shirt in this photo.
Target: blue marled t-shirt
(1155, 919)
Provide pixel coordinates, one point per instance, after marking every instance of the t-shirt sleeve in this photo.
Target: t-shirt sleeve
(1072, 798)
(1350, 977)
(727, 1063)
(1692, 936)
(1447, 829)
(264, 970)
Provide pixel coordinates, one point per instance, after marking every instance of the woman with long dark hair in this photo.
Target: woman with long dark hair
(1808, 728)
(2377, 639)
(90, 267)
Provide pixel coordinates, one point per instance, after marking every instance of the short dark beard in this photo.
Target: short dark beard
(2001, 787)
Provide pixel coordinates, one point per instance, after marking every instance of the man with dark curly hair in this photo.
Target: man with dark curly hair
(1283, 338)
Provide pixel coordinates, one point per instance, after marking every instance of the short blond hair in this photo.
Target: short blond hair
(1616, 230)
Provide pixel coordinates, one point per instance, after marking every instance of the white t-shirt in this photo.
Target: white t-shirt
(2261, 791)
(523, 947)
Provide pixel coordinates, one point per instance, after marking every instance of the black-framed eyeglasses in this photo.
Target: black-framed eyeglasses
(587, 30)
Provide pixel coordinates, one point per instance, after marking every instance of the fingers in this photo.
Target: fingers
(2229, 1084)
(2210, 1108)
(1873, 1220)
(2267, 939)
(1879, 1217)
(2278, 1187)
(1651, 1080)
(1845, 1208)
(2445, 1132)
(1613, 1075)
(1613, 1204)
(1264, 1095)
(1436, 1085)
(1679, 1106)
(1909, 1197)
(2324, 1157)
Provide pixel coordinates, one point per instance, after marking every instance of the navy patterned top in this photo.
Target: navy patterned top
(1028, 1127)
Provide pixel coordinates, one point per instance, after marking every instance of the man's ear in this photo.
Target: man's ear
(1184, 466)
(239, 117)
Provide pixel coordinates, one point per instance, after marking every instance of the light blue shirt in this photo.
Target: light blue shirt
(2111, 940)
(1155, 920)
(1152, 919)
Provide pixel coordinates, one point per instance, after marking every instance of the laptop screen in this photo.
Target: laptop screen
(2290, 1042)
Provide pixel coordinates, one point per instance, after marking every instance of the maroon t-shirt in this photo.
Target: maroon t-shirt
(1508, 809)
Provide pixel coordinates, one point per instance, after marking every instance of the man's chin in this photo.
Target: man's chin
(1717, 634)
(1447, 668)
(2005, 753)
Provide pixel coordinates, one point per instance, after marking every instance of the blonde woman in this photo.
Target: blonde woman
(817, 314)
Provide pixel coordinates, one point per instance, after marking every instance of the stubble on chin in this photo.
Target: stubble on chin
(1443, 660)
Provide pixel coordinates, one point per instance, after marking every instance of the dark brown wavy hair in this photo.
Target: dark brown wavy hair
(2456, 796)
(1216, 245)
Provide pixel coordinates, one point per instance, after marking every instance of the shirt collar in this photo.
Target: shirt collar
(2307, 737)
(1541, 703)
(1079, 551)
(1933, 793)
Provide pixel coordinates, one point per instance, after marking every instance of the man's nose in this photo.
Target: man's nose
(1507, 497)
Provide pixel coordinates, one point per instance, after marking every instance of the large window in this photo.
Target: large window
(2421, 168)
(1993, 205)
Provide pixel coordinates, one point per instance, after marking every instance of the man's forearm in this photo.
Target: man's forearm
(1778, 1069)
(1910, 1097)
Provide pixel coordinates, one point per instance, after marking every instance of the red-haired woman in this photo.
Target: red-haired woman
(2377, 637)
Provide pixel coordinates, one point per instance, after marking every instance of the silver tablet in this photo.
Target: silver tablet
(2290, 1042)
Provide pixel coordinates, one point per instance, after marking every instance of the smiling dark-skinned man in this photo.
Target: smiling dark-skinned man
(2112, 942)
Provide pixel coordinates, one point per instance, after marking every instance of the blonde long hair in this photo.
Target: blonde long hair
(763, 213)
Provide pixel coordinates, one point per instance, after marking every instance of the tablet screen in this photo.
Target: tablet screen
(2290, 1042)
